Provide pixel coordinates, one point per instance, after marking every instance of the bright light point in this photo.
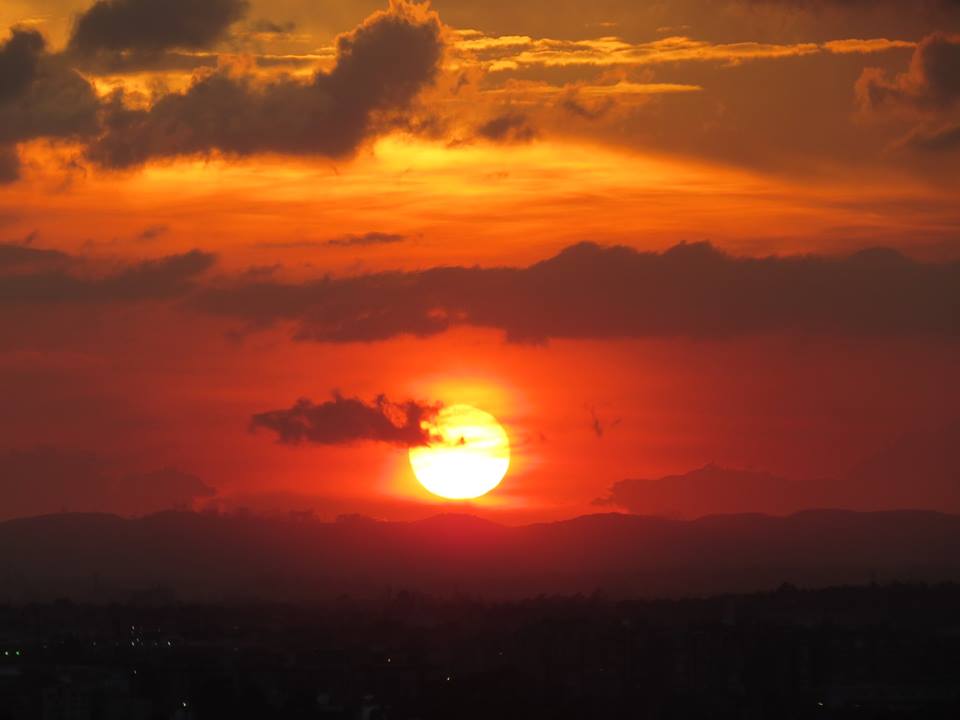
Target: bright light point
(468, 457)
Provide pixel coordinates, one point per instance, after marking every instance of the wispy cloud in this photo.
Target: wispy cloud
(366, 239)
(511, 52)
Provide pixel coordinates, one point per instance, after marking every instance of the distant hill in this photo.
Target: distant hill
(201, 556)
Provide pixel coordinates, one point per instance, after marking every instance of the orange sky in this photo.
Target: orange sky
(292, 141)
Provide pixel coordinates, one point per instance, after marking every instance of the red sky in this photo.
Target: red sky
(212, 212)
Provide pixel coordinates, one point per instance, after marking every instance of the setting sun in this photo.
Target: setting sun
(468, 457)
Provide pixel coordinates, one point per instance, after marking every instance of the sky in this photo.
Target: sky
(696, 256)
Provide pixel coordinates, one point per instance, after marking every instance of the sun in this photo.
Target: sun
(468, 457)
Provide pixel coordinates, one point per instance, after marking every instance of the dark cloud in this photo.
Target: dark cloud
(58, 104)
(19, 57)
(939, 140)
(47, 480)
(381, 66)
(589, 291)
(932, 81)
(68, 282)
(153, 25)
(928, 93)
(153, 232)
(857, 4)
(920, 470)
(119, 63)
(370, 238)
(585, 110)
(40, 95)
(9, 165)
(284, 61)
(347, 420)
(21, 258)
(706, 491)
(508, 127)
(269, 27)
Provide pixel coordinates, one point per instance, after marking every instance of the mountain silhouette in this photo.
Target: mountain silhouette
(211, 557)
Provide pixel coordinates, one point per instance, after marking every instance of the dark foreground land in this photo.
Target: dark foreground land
(867, 652)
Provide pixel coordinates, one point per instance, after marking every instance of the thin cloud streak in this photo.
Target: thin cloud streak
(501, 53)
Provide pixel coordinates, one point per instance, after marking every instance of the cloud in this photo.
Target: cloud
(511, 53)
(381, 66)
(586, 101)
(269, 27)
(153, 25)
(857, 46)
(40, 95)
(574, 105)
(515, 52)
(143, 61)
(39, 283)
(591, 291)
(942, 139)
(919, 470)
(49, 480)
(152, 232)
(853, 4)
(928, 92)
(932, 82)
(24, 259)
(508, 127)
(348, 420)
(370, 238)
(19, 58)
(706, 491)
(9, 165)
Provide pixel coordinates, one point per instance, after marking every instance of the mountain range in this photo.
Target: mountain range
(213, 557)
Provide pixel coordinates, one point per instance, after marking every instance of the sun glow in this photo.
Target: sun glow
(468, 457)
